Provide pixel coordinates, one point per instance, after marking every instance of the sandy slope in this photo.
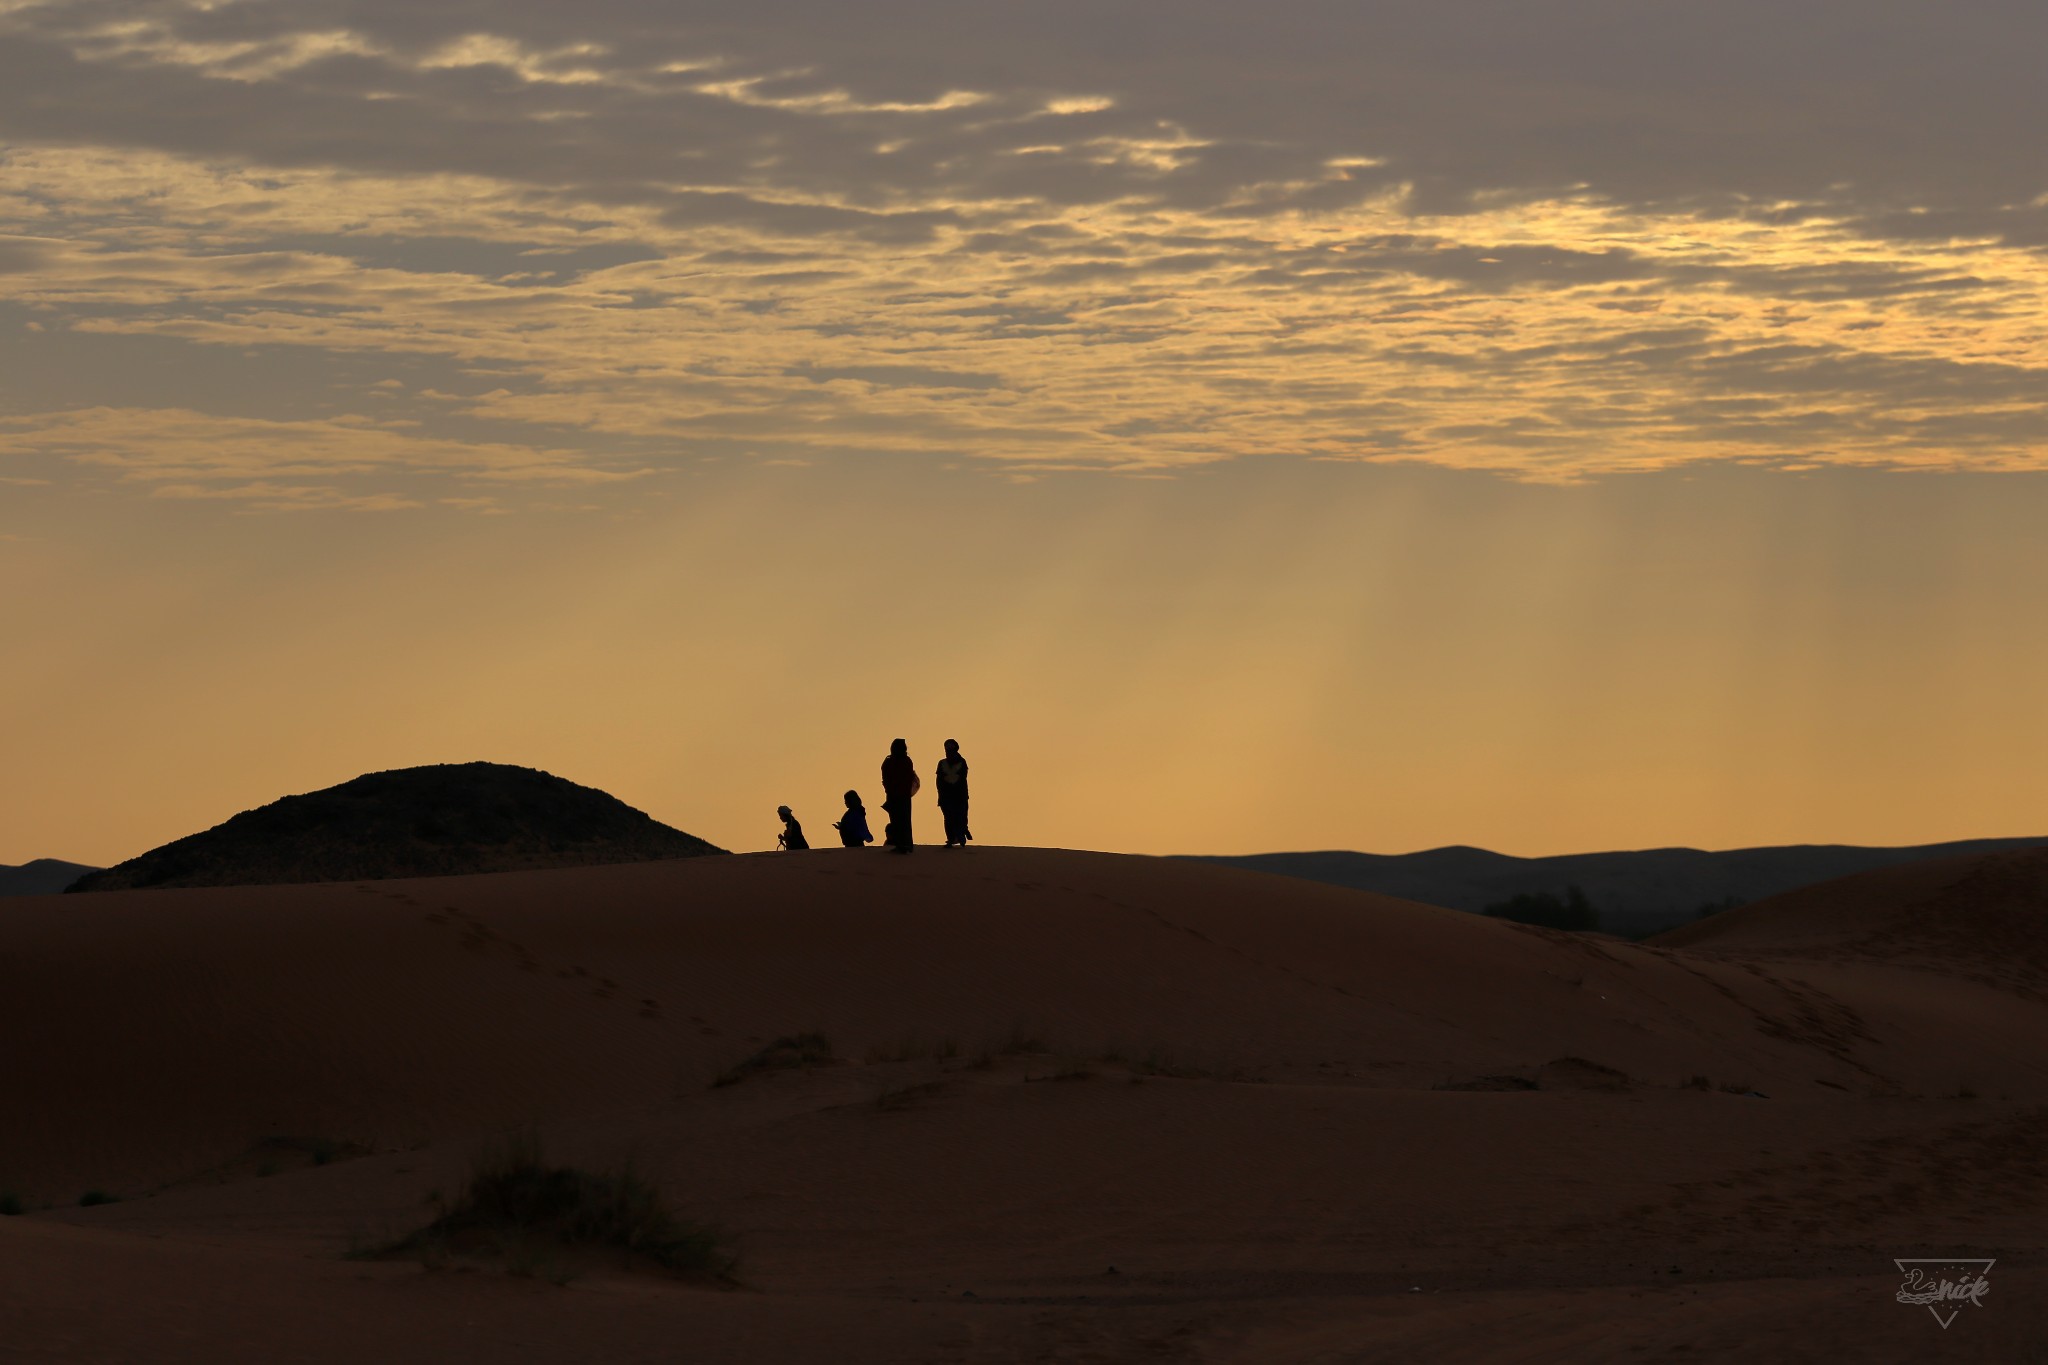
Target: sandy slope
(1298, 1120)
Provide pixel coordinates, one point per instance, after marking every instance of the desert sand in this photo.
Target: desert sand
(1080, 1107)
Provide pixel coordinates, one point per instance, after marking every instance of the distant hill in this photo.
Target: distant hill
(41, 877)
(1636, 893)
(410, 822)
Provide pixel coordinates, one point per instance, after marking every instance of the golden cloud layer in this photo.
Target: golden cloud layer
(1022, 275)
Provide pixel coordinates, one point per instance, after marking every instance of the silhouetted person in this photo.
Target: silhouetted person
(899, 784)
(792, 837)
(951, 775)
(853, 826)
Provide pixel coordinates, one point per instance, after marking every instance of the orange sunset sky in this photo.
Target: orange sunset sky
(1549, 425)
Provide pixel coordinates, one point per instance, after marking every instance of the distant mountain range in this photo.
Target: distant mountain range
(42, 877)
(432, 821)
(1636, 893)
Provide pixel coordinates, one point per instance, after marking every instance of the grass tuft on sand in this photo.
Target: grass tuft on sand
(791, 1052)
(553, 1221)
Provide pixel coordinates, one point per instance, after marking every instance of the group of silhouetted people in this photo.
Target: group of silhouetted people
(899, 784)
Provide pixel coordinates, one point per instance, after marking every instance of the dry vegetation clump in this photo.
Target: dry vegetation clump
(910, 1096)
(280, 1152)
(540, 1219)
(791, 1052)
(914, 1049)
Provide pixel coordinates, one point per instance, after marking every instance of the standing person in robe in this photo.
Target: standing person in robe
(899, 785)
(853, 826)
(952, 783)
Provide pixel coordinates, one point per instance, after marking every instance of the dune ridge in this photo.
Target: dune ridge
(1637, 892)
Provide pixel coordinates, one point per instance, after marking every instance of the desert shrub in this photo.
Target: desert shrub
(1498, 1082)
(914, 1049)
(909, 1096)
(787, 1053)
(1159, 1062)
(1570, 911)
(10, 1206)
(530, 1215)
(92, 1197)
(280, 1151)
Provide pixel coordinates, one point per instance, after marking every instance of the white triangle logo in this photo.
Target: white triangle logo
(1942, 1284)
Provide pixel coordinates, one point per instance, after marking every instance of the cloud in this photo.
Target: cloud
(21, 255)
(152, 445)
(1899, 105)
(1551, 239)
(282, 497)
(898, 376)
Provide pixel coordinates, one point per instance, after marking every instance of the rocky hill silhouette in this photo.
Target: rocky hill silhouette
(433, 821)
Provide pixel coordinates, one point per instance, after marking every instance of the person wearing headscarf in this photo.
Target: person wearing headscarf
(951, 776)
(899, 785)
(853, 826)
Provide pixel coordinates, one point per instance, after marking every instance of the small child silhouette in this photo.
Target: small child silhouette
(792, 837)
(853, 826)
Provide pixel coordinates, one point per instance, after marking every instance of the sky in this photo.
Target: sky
(1550, 425)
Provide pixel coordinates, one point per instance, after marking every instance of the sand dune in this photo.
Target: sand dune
(1303, 1123)
(1636, 891)
(1969, 916)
